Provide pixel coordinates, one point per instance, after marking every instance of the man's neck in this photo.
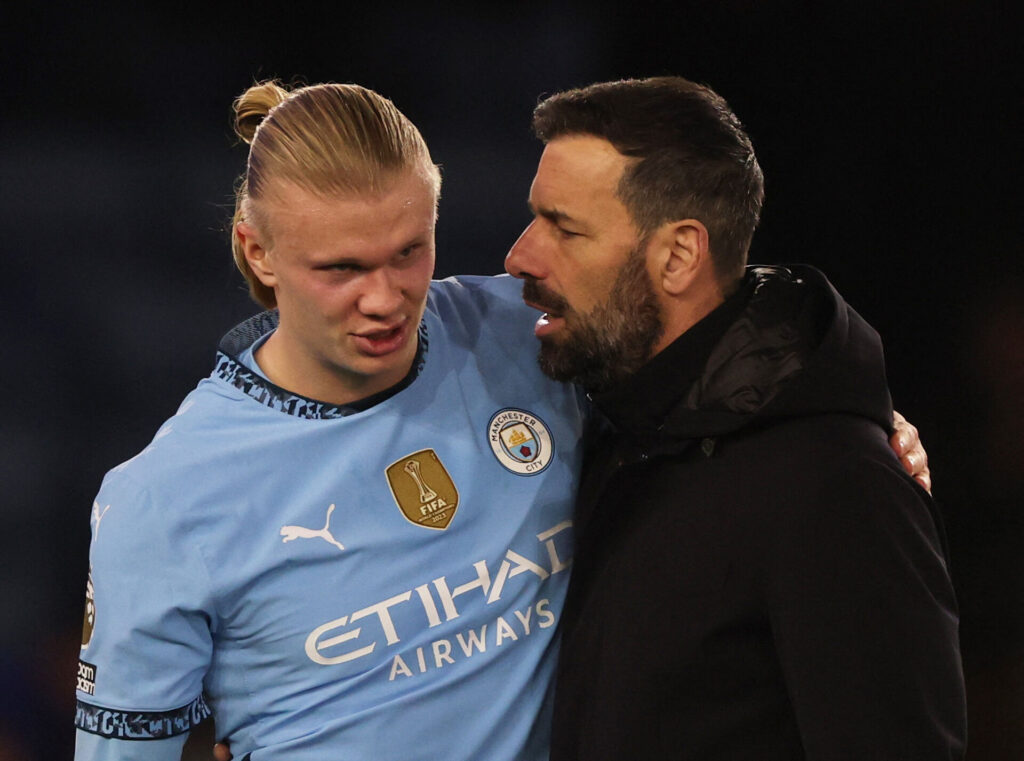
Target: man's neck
(297, 370)
(682, 314)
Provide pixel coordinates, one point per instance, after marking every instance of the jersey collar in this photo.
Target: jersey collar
(232, 371)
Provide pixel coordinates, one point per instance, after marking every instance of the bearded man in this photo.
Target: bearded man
(755, 575)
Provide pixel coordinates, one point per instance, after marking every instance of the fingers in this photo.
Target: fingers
(906, 442)
(915, 463)
(905, 436)
(221, 752)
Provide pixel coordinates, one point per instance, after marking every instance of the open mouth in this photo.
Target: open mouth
(548, 323)
(551, 320)
(381, 342)
(550, 303)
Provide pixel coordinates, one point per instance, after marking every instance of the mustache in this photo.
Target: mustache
(541, 296)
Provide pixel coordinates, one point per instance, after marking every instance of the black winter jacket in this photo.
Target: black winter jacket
(755, 576)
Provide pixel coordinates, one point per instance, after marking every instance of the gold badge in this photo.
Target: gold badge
(423, 490)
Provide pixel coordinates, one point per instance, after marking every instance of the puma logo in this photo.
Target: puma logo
(97, 516)
(301, 532)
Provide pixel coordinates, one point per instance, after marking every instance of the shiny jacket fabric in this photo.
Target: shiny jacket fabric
(755, 575)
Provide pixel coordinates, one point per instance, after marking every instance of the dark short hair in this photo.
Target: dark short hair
(693, 159)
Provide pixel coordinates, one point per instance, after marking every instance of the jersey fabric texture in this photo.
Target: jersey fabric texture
(339, 583)
(755, 577)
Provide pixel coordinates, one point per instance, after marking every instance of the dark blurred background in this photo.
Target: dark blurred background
(888, 133)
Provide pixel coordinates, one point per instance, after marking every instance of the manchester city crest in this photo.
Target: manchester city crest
(520, 440)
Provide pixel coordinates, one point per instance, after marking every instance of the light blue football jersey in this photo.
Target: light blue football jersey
(384, 584)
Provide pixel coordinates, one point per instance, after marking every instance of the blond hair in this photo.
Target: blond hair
(328, 139)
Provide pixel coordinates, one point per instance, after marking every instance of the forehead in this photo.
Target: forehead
(583, 166)
(350, 222)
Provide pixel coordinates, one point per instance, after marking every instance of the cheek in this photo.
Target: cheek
(584, 293)
(416, 280)
(578, 270)
(318, 298)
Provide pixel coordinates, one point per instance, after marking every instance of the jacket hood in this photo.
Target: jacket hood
(794, 349)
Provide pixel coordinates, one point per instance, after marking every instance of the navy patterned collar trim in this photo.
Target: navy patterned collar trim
(230, 370)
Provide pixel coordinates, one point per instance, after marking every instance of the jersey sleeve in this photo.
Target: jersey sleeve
(865, 622)
(146, 639)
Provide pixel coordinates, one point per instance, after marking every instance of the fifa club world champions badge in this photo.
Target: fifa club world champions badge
(423, 489)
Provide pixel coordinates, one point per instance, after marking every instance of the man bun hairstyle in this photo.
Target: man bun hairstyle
(327, 139)
(692, 158)
(252, 106)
